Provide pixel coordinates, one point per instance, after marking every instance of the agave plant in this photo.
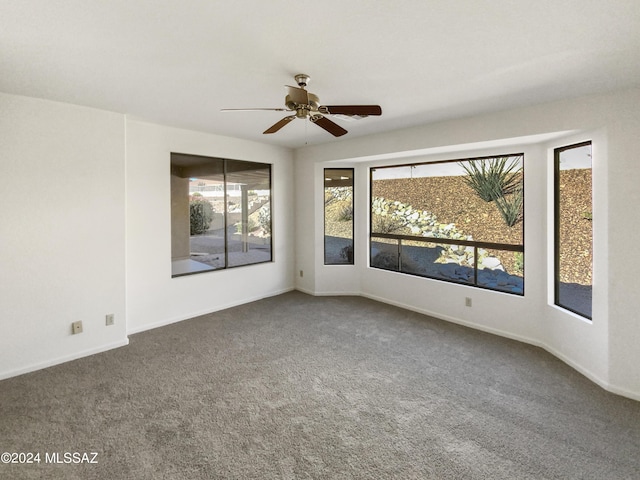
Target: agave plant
(492, 178)
(511, 208)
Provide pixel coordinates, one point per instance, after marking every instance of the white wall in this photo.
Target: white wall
(624, 260)
(85, 231)
(307, 237)
(63, 242)
(606, 350)
(153, 297)
(62, 246)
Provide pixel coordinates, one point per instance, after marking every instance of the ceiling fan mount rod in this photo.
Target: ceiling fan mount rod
(302, 79)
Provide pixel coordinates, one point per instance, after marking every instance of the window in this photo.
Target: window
(573, 228)
(460, 221)
(338, 216)
(220, 213)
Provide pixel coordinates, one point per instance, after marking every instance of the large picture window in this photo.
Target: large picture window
(460, 221)
(220, 213)
(338, 216)
(573, 228)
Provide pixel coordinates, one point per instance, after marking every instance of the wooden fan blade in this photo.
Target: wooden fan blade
(278, 125)
(360, 110)
(255, 109)
(298, 95)
(331, 127)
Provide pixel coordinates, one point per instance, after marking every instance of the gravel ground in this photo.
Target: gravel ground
(452, 201)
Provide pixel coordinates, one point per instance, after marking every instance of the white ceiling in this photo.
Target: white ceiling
(178, 62)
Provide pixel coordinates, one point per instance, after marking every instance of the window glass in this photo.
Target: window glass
(248, 212)
(338, 216)
(220, 213)
(573, 229)
(460, 221)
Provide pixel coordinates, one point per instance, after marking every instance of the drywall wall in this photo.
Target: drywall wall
(62, 247)
(78, 242)
(606, 349)
(579, 342)
(624, 260)
(509, 315)
(307, 238)
(153, 297)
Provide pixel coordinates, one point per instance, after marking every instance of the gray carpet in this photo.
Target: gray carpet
(297, 387)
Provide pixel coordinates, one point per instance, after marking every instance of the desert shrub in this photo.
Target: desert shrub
(200, 214)
(385, 224)
(345, 214)
(328, 198)
(518, 262)
(252, 225)
(510, 208)
(264, 218)
(492, 178)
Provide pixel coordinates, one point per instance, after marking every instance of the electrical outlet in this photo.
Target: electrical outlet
(301, 273)
(467, 301)
(76, 327)
(109, 319)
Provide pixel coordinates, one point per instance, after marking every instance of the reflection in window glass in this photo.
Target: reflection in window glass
(338, 216)
(573, 229)
(220, 213)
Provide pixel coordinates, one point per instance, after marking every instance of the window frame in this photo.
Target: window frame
(556, 225)
(224, 190)
(353, 189)
(439, 240)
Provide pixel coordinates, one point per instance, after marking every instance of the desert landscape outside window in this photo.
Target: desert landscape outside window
(220, 213)
(460, 221)
(338, 216)
(573, 228)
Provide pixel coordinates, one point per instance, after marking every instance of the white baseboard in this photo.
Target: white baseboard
(341, 293)
(587, 373)
(103, 348)
(448, 318)
(305, 290)
(591, 376)
(623, 392)
(169, 321)
(64, 359)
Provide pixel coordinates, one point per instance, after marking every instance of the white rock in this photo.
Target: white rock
(491, 263)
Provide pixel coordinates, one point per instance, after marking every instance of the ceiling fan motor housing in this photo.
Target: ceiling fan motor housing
(314, 103)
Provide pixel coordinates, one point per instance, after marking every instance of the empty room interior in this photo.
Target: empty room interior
(319, 239)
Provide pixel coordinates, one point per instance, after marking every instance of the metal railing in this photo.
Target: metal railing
(446, 241)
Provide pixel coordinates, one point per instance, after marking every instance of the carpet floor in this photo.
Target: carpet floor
(301, 387)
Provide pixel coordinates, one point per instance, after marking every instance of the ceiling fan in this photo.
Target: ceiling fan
(307, 105)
